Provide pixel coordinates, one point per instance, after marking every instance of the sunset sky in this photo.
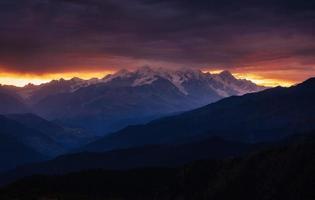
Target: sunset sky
(271, 42)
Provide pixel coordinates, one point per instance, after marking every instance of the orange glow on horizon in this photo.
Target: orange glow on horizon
(258, 78)
(264, 81)
(16, 79)
(22, 79)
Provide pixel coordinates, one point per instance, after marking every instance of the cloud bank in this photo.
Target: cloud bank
(48, 36)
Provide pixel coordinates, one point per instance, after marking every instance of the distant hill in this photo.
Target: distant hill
(11, 102)
(265, 116)
(30, 137)
(280, 173)
(67, 137)
(27, 138)
(14, 153)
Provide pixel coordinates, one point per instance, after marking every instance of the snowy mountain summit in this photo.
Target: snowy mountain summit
(186, 81)
(224, 83)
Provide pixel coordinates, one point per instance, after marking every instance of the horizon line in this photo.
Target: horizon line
(24, 79)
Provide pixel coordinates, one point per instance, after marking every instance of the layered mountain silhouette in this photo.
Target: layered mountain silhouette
(129, 97)
(21, 144)
(27, 138)
(231, 127)
(68, 137)
(30, 136)
(141, 157)
(14, 153)
(78, 109)
(229, 131)
(11, 102)
(265, 116)
(280, 173)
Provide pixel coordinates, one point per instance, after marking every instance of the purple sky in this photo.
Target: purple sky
(55, 36)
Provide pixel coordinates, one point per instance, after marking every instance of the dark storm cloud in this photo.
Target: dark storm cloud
(55, 35)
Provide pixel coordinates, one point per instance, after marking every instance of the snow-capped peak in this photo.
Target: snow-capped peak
(179, 76)
(76, 79)
(226, 76)
(176, 77)
(186, 80)
(146, 75)
(222, 83)
(123, 73)
(145, 71)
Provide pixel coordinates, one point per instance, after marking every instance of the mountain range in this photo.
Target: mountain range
(277, 122)
(266, 116)
(126, 97)
(234, 126)
(54, 118)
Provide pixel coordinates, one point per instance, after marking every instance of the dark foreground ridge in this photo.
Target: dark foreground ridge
(281, 173)
(142, 157)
